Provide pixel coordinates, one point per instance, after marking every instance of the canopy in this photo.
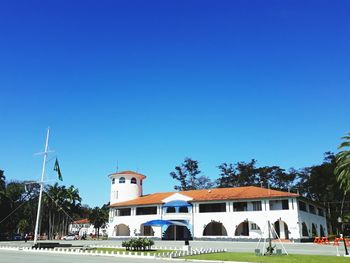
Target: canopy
(177, 203)
(159, 222)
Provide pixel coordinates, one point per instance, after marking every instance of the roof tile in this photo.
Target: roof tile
(216, 194)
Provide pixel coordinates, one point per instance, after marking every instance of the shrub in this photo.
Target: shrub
(138, 244)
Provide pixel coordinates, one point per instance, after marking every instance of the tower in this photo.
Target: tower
(125, 186)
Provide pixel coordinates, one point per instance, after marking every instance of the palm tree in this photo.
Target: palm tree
(98, 217)
(342, 169)
(61, 205)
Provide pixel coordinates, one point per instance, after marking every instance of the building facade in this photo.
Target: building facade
(221, 213)
(83, 228)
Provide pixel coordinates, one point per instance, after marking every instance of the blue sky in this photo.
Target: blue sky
(147, 83)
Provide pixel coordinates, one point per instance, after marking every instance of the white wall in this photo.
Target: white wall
(292, 217)
(125, 191)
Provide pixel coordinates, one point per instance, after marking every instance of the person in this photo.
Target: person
(26, 238)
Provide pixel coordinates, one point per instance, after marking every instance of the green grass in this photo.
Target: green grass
(132, 251)
(250, 257)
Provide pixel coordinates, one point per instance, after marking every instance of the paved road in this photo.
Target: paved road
(26, 257)
(292, 248)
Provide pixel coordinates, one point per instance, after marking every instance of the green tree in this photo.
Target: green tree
(61, 205)
(2, 195)
(187, 174)
(248, 174)
(342, 169)
(2, 180)
(319, 183)
(99, 217)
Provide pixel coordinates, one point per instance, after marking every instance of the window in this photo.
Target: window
(254, 226)
(312, 209)
(320, 212)
(147, 210)
(170, 210)
(215, 207)
(240, 206)
(302, 206)
(257, 206)
(122, 180)
(113, 180)
(124, 211)
(183, 209)
(285, 204)
(133, 180)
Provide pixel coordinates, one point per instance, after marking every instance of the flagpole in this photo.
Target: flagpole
(41, 188)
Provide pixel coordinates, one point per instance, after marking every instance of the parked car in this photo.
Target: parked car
(17, 237)
(70, 237)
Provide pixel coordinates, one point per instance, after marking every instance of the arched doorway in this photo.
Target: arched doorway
(175, 232)
(281, 229)
(122, 230)
(146, 231)
(248, 228)
(322, 232)
(314, 230)
(214, 229)
(304, 230)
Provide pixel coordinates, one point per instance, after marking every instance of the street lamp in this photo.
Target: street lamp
(342, 229)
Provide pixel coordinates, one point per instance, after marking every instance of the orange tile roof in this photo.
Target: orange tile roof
(129, 172)
(82, 221)
(216, 194)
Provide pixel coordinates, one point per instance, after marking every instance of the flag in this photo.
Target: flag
(57, 169)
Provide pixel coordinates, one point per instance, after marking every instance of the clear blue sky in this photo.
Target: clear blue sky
(147, 83)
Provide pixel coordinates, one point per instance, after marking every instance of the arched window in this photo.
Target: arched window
(133, 180)
(146, 230)
(314, 230)
(215, 229)
(122, 180)
(113, 180)
(122, 230)
(304, 230)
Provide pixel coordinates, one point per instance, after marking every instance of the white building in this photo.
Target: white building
(221, 213)
(83, 228)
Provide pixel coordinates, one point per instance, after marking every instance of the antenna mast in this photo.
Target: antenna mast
(41, 187)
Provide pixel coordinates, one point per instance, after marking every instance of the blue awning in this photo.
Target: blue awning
(159, 222)
(177, 203)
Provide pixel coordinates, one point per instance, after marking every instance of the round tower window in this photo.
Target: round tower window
(133, 180)
(113, 180)
(122, 180)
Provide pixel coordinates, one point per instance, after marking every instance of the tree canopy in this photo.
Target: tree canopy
(316, 182)
(19, 201)
(188, 175)
(342, 169)
(99, 217)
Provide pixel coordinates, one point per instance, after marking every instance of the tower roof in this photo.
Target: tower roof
(141, 176)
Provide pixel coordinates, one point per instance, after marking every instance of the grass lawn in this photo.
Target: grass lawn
(132, 251)
(250, 257)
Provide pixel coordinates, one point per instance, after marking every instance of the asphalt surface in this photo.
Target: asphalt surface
(21, 256)
(7, 256)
